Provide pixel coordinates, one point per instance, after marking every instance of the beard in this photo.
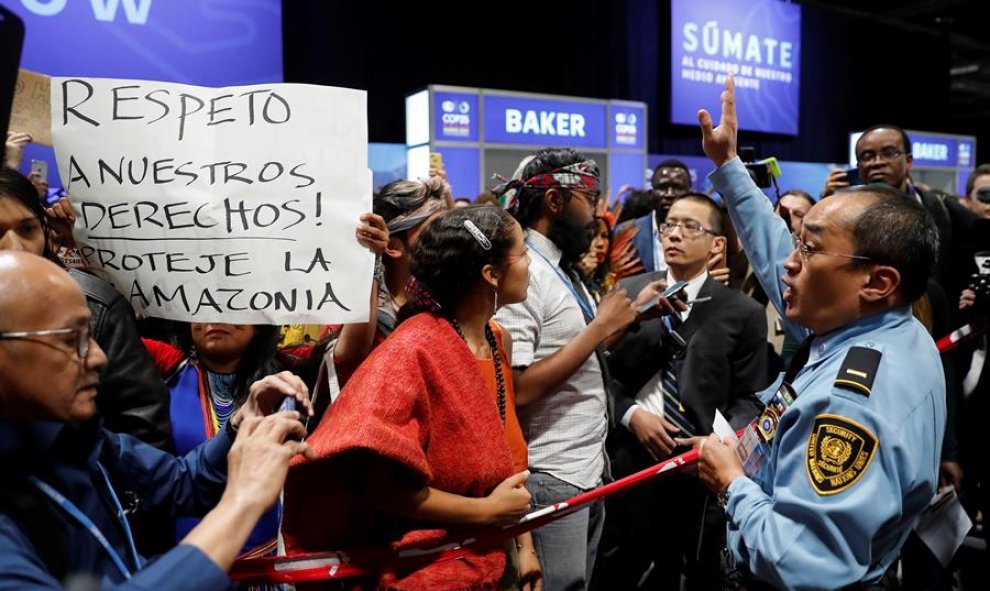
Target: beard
(571, 237)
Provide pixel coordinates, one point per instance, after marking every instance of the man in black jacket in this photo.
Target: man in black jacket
(132, 396)
(672, 375)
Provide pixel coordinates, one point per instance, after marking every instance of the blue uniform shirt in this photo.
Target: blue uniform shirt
(796, 525)
(66, 458)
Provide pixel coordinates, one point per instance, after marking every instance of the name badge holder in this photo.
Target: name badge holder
(754, 445)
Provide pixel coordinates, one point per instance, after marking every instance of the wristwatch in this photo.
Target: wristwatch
(722, 497)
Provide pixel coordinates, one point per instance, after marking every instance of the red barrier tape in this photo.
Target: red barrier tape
(958, 336)
(321, 566)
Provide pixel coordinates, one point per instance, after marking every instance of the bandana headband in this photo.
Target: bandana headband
(580, 175)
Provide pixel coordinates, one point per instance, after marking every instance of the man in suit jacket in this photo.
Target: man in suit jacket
(721, 362)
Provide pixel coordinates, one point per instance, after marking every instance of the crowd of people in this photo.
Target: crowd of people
(520, 352)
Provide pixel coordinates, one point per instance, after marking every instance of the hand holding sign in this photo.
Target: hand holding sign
(13, 155)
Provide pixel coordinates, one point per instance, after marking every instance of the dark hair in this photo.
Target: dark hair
(670, 163)
(897, 231)
(447, 259)
(401, 197)
(905, 140)
(798, 193)
(637, 204)
(714, 214)
(257, 361)
(487, 197)
(981, 170)
(603, 270)
(543, 161)
(15, 185)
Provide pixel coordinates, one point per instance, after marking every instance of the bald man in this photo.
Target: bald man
(59, 514)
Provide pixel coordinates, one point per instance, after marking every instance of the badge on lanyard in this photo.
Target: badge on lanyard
(757, 439)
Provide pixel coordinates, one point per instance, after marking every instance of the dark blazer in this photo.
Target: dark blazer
(957, 241)
(722, 367)
(131, 398)
(643, 241)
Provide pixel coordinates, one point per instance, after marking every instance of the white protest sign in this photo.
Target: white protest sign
(233, 205)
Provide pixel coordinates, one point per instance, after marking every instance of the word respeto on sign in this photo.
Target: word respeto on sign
(238, 206)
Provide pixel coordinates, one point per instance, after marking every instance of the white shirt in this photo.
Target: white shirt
(565, 429)
(650, 396)
(659, 262)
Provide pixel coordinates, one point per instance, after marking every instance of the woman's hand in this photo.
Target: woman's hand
(265, 396)
(530, 573)
(373, 233)
(61, 218)
(509, 502)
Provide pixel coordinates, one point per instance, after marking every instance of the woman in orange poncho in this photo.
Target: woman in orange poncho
(423, 440)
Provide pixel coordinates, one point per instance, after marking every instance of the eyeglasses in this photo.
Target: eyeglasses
(885, 155)
(688, 229)
(80, 337)
(805, 251)
(590, 195)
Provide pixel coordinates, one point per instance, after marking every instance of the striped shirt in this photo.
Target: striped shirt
(565, 429)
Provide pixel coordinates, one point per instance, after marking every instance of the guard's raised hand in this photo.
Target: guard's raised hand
(720, 143)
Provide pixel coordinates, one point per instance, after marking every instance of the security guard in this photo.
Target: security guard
(853, 461)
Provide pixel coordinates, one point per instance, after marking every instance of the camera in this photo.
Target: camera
(763, 172)
(980, 281)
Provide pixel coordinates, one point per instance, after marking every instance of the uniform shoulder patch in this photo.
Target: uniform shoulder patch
(858, 370)
(839, 452)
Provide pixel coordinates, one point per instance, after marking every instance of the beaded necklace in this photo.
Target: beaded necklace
(496, 357)
(221, 391)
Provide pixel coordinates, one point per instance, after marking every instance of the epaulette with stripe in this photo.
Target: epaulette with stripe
(858, 370)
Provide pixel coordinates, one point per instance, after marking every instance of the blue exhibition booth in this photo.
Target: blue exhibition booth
(480, 132)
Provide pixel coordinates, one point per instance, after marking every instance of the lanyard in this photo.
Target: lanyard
(80, 517)
(568, 283)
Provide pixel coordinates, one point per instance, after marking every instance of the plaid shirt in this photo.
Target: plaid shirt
(566, 428)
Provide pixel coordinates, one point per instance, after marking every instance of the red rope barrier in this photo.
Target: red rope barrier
(321, 566)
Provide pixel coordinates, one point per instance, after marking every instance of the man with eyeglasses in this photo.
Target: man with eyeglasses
(672, 375)
(60, 514)
(848, 451)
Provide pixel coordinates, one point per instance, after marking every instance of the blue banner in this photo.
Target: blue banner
(542, 122)
(966, 154)
(758, 41)
(463, 166)
(941, 150)
(456, 117)
(202, 42)
(628, 126)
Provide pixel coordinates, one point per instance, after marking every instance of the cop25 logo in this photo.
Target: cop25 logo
(135, 11)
